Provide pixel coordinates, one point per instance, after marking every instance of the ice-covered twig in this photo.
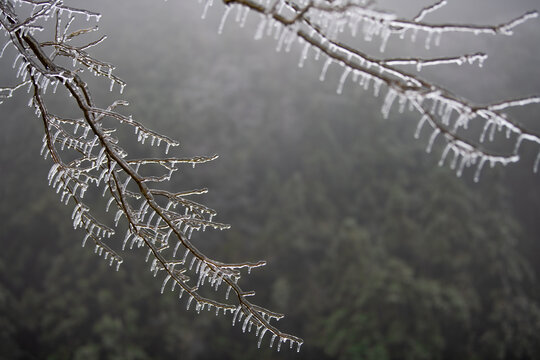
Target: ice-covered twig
(316, 26)
(97, 161)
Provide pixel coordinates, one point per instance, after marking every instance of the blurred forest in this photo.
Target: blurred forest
(374, 252)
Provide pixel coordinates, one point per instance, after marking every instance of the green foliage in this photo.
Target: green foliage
(374, 253)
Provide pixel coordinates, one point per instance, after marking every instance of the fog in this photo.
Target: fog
(373, 250)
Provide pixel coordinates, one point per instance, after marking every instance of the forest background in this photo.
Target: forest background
(374, 251)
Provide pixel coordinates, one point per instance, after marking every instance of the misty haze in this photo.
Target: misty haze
(373, 250)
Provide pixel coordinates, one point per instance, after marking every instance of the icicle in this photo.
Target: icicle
(244, 17)
(282, 39)
(84, 240)
(260, 28)
(52, 172)
(261, 337)
(479, 169)
(390, 96)
(461, 166)
(447, 114)
(402, 103)
(385, 35)
(453, 164)
(236, 314)
(304, 55)
(535, 168)
(432, 139)
(365, 82)
(206, 6)
(246, 322)
(189, 302)
(445, 153)
(165, 283)
(377, 87)
(272, 340)
(419, 126)
(518, 143)
(342, 80)
(438, 38)
(176, 248)
(325, 69)
(428, 40)
(485, 130)
(9, 42)
(223, 19)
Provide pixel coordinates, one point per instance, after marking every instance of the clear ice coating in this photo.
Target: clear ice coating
(319, 24)
(153, 217)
